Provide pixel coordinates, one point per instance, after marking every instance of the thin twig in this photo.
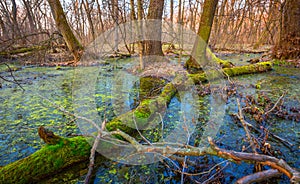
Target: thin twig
(127, 137)
(272, 135)
(244, 123)
(136, 127)
(185, 157)
(14, 79)
(275, 105)
(92, 158)
(207, 181)
(162, 126)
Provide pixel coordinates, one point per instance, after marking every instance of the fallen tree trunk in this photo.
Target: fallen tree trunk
(144, 113)
(234, 71)
(46, 162)
(22, 50)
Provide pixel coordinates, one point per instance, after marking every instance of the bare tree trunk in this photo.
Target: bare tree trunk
(15, 30)
(141, 44)
(155, 11)
(171, 10)
(30, 16)
(133, 18)
(62, 25)
(100, 15)
(132, 10)
(289, 44)
(179, 21)
(88, 11)
(4, 31)
(115, 16)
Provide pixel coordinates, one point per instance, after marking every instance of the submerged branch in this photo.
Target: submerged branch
(12, 75)
(259, 176)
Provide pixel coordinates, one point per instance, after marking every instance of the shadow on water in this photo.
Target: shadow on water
(21, 113)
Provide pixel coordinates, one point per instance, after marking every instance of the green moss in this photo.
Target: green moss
(194, 67)
(248, 69)
(143, 113)
(198, 78)
(149, 87)
(235, 71)
(168, 93)
(221, 62)
(49, 159)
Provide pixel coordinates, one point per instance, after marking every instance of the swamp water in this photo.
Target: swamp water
(22, 112)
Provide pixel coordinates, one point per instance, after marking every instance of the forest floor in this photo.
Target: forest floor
(61, 57)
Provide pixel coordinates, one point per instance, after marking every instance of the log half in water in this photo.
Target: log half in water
(48, 161)
(234, 71)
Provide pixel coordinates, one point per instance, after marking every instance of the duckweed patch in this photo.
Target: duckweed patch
(21, 114)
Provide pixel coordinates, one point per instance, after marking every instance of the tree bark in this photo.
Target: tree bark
(289, 44)
(171, 10)
(155, 11)
(62, 25)
(88, 11)
(199, 49)
(3, 27)
(30, 16)
(141, 44)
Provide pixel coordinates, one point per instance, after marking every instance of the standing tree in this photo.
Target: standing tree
(155, 11)
(62, 25)
(199, 49)
(288, 46)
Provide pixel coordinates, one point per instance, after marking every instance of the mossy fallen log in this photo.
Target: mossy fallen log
(144, 113)
(21, 50)
(234, 71)
(47, 161)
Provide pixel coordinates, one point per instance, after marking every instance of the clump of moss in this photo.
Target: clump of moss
(150, 87)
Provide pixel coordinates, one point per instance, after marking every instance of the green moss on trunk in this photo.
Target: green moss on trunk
(144, 113)
(235, 71)
(22, 50)
(248, 69)
(47, 161)
(193, 66)
(150, 87)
